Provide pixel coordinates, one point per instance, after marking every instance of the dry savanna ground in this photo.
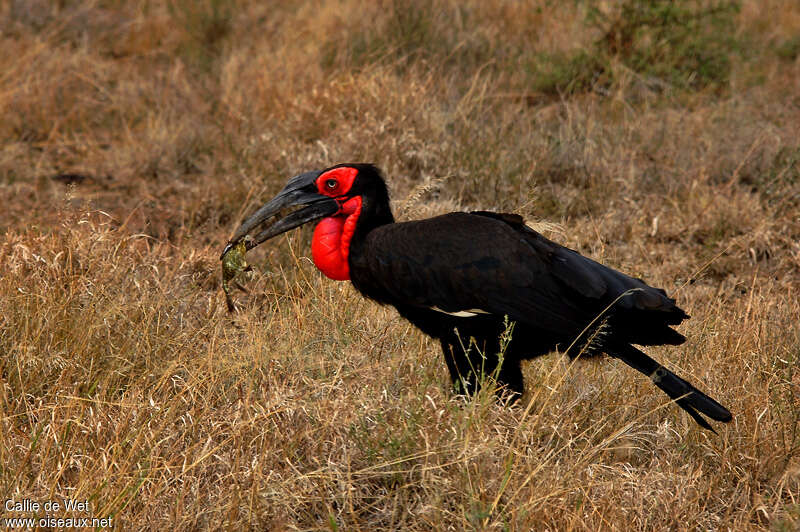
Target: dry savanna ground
(659, 137)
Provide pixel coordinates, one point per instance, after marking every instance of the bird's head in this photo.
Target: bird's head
(333, 192)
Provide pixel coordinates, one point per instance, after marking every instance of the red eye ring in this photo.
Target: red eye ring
(331, 184)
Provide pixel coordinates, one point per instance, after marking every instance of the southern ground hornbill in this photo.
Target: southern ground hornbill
(462, 277)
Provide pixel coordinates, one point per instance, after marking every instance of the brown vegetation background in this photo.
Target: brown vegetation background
(658, 137)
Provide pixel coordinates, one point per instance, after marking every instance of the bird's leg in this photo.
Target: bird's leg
(510, 378)
(468, 364)
(472, 363)
(509, 375)
(461, 373)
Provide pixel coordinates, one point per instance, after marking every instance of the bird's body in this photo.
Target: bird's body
(462, 278)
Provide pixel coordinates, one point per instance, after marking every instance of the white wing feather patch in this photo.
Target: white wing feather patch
(462, 313)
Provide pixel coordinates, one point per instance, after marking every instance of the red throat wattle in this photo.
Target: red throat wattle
(331, 243)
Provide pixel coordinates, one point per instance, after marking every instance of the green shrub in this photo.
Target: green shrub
(684, 44)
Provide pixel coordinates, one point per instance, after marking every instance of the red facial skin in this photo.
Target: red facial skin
(331, 243)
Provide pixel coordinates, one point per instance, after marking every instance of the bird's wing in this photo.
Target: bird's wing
(592, 279)
(462, 261)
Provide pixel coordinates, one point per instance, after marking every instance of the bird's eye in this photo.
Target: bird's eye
(331, 184)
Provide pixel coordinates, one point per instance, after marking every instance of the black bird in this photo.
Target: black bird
(462, 277)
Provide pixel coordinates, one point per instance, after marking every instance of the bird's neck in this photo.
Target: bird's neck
(335, 237)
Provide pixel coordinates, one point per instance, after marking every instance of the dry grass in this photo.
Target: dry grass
(135, 137)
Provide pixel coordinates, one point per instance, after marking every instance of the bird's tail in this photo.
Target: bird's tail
(684, 394)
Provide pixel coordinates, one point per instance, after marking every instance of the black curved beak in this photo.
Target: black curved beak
(300, 190)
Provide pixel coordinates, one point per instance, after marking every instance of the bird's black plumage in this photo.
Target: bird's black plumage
(461, 277)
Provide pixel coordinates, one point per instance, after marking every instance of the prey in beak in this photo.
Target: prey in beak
(300, 191)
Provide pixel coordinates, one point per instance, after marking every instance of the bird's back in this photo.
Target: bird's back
(495, 263)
